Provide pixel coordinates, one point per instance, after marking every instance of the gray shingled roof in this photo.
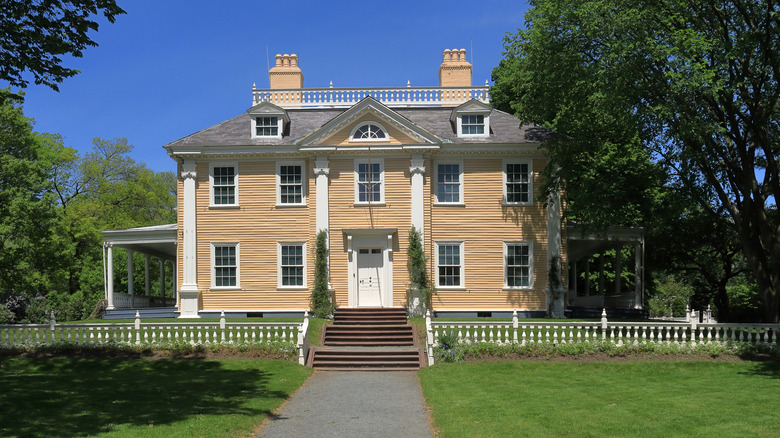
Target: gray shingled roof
(504, 128)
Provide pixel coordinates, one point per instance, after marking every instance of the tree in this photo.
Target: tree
(37, 33)
(689, 86)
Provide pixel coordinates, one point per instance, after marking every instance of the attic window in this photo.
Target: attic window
(368, 132)
(267, 127)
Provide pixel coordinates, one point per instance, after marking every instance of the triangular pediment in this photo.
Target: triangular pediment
(267, 109)
(339, 130)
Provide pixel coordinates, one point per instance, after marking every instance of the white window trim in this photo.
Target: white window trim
(381, 163)
(279, 165)
(530, 246)
(279, 284)
(279, 123)
(212, 165)
(460, 243)
(369, 122)
(530, 181)
(436, 182)
(238, 266)
(486, 119)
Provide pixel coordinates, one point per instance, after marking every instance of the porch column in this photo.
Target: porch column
(130, 269)
(555, 296)
(161, 262)
(638, 286)
(189, 291)
(147, 281)
(417, 169)
(618, 271)
(110, 277)
(322, 221)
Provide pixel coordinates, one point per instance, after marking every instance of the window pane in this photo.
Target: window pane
(267, 126)
(224, 185)
(517, 183)
(448, 183)
(225, 264)
(518, 265)
(449, 265)
(290, 184)
(291, 265)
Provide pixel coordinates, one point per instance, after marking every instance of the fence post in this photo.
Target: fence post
(137, 327)
(694, 320)
(52, 327)
(222, 326)
(604, 323)
(687, 313)
(514, 326)
(429, 336)
(303, 339)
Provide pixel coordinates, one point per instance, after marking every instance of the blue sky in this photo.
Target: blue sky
(169, 68)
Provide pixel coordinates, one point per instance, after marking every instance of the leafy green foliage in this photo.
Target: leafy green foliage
(670, 298)
(417, 265)
(37, 33)
(320, 299)
(647, 98)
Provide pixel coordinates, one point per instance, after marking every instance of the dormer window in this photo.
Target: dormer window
(267, 126)
(268, 121)
(368, 132)
(472, 119)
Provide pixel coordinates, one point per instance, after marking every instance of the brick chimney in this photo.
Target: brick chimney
(285, 74)
(455, 71)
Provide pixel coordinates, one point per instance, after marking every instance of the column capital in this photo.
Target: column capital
(188, 170)
(321, 171)
(417, 165)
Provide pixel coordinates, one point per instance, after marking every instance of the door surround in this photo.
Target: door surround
(383, 238)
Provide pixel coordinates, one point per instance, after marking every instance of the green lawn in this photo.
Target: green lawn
(74, 397)
(635, 398)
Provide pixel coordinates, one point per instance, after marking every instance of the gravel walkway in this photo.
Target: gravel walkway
(348, 404)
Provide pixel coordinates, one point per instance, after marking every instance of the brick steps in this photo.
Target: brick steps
(363, 339)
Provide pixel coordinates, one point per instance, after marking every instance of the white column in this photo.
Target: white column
(322, 171)
(130, 269)
(161, 262)
(638, 287)
(110, 277)
(189, 291)
(554, 291)
(417, 169)
(147, 281)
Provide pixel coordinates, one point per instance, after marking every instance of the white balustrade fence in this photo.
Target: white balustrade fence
(159, 334)
(618, 333)
(390, 96)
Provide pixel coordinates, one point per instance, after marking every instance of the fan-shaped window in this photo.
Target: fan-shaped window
(369, 131)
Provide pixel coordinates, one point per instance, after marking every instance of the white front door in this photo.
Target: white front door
(370, 272)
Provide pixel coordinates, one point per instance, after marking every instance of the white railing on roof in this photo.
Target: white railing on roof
(618, 333)
(161, 333)
(390, 96)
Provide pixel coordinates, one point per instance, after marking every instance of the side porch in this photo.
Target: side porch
(157, 244)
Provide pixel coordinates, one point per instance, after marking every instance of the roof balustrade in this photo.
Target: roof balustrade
(331, 97)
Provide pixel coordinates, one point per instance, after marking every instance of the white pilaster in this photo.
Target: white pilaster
(110, 277)
(417, 170)
(322, 171)
(189, 289)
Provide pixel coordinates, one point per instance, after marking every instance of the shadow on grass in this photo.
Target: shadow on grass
(766, 368)
(86, 396)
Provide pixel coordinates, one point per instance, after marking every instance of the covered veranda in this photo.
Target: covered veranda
(609, 251)
(157, 241)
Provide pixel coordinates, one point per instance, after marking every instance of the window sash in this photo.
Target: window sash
(449, 264)
(224, 185)
(225, 266)
(518, 179)
(448, 183)
(518, 265)
(291, 265)
(472, 124)
(267, 126)
(290, 184)
(369, 182)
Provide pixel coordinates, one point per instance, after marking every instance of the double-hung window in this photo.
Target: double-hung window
(225, 265)
(472, 124)
(290, 184)
(518, 182)
(449, 264)
(449, 183)
(518, 266)
(292, 264)
(267, 127)
(369, 181)
(224, 184)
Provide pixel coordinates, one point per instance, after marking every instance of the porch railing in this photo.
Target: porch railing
(618, 333)
(160, 334)
(390, 96)
(127, 301)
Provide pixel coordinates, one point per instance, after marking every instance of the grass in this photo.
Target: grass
(604, 398)
(79, 397)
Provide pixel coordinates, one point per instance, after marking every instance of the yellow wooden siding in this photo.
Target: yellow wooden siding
(257, 225)
(395, 135)
(484, 223)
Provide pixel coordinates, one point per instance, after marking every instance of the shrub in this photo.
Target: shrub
(321, 304)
